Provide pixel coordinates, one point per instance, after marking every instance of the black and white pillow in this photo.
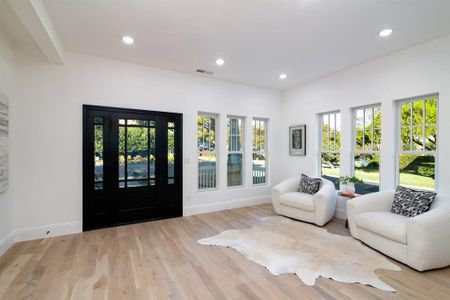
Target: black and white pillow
(411, 203)
(309, 185)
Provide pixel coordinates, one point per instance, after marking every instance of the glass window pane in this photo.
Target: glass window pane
(121, 184)
(259, 168)
(332, 132)
(98, 186)
(121, 122)
(405, 114)
(367, 168)
(377, 140)
(405, 135)
(330, 165)
(98, 120)
(212, 134)
(234, 169)
(418, 112)
(171, 152)
(137, 156)
(368, 140)
(368, 119)
(359, 119)
(338, 132)
(152, 152)
(121, 153)
(430, 138)
(359, 139)
(137, 183)
(431, 111)
(377, 117)
(171, 125)
(207, 170)
(137, 122)
(418, 138)
(417, 171)
(98, 152)
(325, 133)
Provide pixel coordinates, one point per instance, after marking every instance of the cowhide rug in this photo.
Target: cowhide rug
(286, 246)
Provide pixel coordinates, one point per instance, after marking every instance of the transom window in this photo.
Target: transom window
(235, 155)
(330, 146)
(207, 151)
(417, 149)
(259, 165)
(367, 145)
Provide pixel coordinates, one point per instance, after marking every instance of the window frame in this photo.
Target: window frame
(216, 151)
(265, 151)
(242, 150)
(354, 135)
(321, 115)
(398, 147)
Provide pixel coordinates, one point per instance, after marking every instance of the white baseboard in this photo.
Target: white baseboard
(212, 207)
(6, 243)
(39, 232)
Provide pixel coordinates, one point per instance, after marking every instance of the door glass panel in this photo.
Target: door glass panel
(137, 153)
(137, 122)
(152, 152)
(98, 154)
(137, 183)
(171, 153)
(122, 153)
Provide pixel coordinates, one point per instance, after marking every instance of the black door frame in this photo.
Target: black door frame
(87, 182)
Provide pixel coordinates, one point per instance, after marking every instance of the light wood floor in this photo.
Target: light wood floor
(161, 260)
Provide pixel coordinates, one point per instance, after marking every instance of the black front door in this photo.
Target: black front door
(131, 166)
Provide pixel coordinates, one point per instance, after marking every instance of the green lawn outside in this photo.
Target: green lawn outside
(407, 179)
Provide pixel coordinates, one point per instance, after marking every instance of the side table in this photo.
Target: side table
(348, 196)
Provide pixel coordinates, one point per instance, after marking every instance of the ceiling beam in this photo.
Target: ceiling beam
(34, 16)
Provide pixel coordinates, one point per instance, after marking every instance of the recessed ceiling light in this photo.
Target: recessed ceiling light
(220, 62)
(128, 40)
(385, 33)
(283, 76)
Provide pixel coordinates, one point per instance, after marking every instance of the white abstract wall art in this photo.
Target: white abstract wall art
(4, 149)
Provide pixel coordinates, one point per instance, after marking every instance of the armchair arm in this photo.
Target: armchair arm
(381, 201)
(428, 239)
(287, 186)
(325, 203)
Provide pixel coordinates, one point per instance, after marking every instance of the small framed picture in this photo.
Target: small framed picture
(297, 140)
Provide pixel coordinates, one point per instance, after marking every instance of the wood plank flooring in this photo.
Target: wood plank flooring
(161, 260)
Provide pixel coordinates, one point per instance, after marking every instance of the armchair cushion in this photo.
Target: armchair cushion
(411, 203)
(309, 185)
(298, 200)
(386, 224)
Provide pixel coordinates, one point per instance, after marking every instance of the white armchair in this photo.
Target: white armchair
(421, 242)
(317, 209)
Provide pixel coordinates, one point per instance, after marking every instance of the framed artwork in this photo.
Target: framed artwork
(4, 132)
(297, 140)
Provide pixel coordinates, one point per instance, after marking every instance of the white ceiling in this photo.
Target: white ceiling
(258, 39)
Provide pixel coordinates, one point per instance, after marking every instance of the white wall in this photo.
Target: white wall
(6, 87)
(49, 131)
(417, 71)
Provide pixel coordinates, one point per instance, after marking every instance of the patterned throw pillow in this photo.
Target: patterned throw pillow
(411, 203)
(309, 185)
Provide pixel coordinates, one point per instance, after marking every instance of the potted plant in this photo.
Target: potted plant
(348, 183)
